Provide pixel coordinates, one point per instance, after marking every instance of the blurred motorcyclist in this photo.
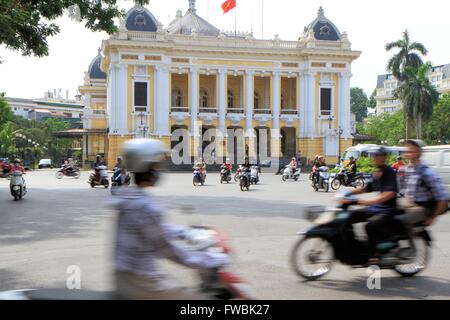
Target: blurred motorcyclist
(120, 165)
(293, 165)
(425, 197)
(201, 164)
(320, 162)
(246, 166)
(17, 167)
(69, 165)
(228, 166)
(98, 163)
(142, 240)
(399, 164)
(381, 209)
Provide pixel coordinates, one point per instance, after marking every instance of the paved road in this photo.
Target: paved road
(64, 222)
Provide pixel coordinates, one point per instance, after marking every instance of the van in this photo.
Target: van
(362, 150)
(438, 158)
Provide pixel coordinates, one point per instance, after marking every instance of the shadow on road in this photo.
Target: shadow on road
(420, 287)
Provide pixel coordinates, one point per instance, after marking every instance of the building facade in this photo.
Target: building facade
(150, 81)
(386, 102)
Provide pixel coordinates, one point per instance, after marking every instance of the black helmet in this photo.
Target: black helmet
(379, 151)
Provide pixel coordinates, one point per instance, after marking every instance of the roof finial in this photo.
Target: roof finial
(99, 51)
(321, 13)
(192, 6)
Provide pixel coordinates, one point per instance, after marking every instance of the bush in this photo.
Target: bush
(365, 164)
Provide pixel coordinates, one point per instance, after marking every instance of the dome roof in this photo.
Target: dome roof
(94, 69)
(323, 28)
(192, 22)
(140, 19)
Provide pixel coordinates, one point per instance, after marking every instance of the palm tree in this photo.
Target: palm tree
(418, 96)
(408, 56)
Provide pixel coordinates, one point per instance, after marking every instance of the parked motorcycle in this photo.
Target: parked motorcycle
(103, 180)
(64, 171)
(225, 175)
(254, 175)
(17, 185)
(244, 180)
(198, 179)
(333, 239)
(341, 179)
(119, 178)
(322, 182)
(289, 173)
(218, 283)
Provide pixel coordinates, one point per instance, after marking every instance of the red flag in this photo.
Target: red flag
(228, 5)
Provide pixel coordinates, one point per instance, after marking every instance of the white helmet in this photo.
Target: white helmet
(140, 154)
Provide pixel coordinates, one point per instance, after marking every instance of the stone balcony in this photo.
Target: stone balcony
(235, 115)
(208, 115)
(289, 116)
(179, 114)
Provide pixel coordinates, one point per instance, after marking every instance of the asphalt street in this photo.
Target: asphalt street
(61, 223)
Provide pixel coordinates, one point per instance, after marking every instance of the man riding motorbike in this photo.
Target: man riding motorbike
(121, 167)
(426, 197)
(201, 164)
(98, 163)
(69, 166)
(293, 164)
(320, 162)
(142, 240)
(228, 166)
(17, 167)
(382, 209)
(352, 170)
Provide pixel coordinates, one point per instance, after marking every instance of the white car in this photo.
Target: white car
(45, 163)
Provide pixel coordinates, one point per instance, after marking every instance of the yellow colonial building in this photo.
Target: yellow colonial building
(149, 80)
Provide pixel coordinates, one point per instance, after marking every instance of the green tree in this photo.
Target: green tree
(26, 25)
(409, 55)
(418, 96)
(359, 103)
(386, 127)
(437, 130)
(6, 114)
(372, 101)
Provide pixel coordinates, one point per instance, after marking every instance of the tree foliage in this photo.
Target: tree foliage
(386, 128)
(372, 101)
(5, 110)
(26, 25)
(437, 130)
(359, 103)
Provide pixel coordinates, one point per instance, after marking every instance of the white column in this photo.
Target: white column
(276, 102)
(301, 105)
(161, 116)
(112, 98)
(311, 105)
(122, 105)
(222, 101)
(87, 111)
(193, 98)
(344, 104)
(249, 95)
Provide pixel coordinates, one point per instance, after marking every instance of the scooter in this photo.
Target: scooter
(244, 180)
(75, 173)
(254, 175)
(218, 283)
(198, 179)
(289, 173)
(225, 175)
(103, 180)
(333, 238)
(322, 182)
(17, 185)
(341, 180)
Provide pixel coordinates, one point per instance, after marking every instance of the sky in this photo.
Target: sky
(369, 24)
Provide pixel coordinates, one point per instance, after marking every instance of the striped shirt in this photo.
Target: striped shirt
(424, 185)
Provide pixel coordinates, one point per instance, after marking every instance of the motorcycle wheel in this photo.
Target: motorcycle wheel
(236, 178)
(77, 175)
(335, 184)
(105, 184)
(420, 260)
(92, 184)
(242, 184)
(221, 180)
(284, 178)
(296, 178)
(59, 175)
(312, 258)
(359, 183)
(195, 182)
(327, 186)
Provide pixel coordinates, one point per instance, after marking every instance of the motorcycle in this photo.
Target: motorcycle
(238, 174)
(118, 179)
(218, 284)
(289, 173)
(244, 180)
(5, 171)
(341, 180)
(323, 181)
(103, 180)
(198, 179)
(254, 175)
(225, 175)
(334, 239)
(17, 185)
(64, 171)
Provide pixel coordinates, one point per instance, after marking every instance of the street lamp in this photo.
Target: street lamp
(142, 126)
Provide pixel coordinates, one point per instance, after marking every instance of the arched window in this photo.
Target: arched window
(177, 98)
(230, 100)
(256, 101)
(203, 99)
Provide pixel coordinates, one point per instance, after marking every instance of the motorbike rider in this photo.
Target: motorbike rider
(320, 162)
(98, 163)
(143, 240)
(425, 197)
(227, 165)
(352, 169)
(201, 164)
(293, 165)
(399, 164)
(121, 166)
(17, 167)
(381, 209)
(69, 165)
